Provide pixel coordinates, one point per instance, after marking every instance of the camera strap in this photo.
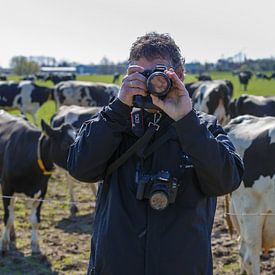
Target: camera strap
(159, 141)
(133, 149)
(140, 144)
(138, 147)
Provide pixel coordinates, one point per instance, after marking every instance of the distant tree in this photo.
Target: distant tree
(105, 61)
(64, 63)
(21, 66)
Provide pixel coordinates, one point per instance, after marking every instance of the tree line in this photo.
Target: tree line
(22, 65)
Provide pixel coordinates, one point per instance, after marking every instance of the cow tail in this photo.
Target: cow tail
(227, 215)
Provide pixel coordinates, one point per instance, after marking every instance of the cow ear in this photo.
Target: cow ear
(47, 129)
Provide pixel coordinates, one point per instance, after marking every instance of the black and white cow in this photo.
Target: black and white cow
(84, 93)
(252, 105)
(262, 76)
(252, 206)
(29, 77)
(272, 76)
(213, 97)
(116, 77)
(244, 78)
(24, 96)
(75, 116)
(57, 78)
(192, 87)
(3, 78)
(27, 158)
(204, 77)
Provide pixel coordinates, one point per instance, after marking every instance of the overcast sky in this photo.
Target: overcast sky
(87, 30)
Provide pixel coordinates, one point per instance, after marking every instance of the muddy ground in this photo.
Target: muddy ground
(65, 240)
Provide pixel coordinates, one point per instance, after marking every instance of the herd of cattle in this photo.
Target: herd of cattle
(248, 120)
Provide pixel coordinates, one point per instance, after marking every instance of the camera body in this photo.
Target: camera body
(158, 84)
(160, 189)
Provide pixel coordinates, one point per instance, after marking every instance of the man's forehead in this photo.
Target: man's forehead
(152, 62)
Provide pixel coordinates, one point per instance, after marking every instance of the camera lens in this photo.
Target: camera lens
(158, 84)
(159, 200)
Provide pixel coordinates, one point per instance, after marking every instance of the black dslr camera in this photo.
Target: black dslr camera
(161, 189)
(158, 84)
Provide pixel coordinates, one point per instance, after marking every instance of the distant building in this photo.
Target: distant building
(193, 67)
(5, 70)
(86, 69)
(58, 69)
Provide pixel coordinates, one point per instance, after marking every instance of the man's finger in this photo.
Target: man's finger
(137, 84)
(175, 79)
(137, 91)
(134, 68)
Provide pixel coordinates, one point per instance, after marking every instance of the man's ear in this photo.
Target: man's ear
(180, 72)
(47, 129)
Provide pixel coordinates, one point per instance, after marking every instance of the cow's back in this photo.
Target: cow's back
(73, 115)
(245, 129)
(9, 91)
(252, 105)
(83, 93)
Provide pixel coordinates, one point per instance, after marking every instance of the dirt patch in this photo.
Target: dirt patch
(65, 240)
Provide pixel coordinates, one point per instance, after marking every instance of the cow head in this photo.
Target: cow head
(60, 139)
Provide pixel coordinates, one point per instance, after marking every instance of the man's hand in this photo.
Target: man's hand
(133, 83)
(177, 104)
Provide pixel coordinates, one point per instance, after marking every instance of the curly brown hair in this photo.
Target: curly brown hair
(154, 45)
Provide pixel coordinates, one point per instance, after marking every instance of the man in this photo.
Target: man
(133, 233)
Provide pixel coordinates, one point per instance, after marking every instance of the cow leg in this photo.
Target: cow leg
(34, 117)
(12, 234)
(8, 224)
(228, 218)
(94, 189)
(73, 206)
(251, 242)
(250, 227)
(12, 230)
(35, 220)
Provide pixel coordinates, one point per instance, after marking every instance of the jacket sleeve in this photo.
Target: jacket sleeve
(97, 141)
(218, 167)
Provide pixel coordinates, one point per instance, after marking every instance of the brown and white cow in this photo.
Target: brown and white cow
(213, 97)
(83, 93)
(253, 203)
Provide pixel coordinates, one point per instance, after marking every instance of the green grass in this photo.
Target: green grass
(261, 87)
